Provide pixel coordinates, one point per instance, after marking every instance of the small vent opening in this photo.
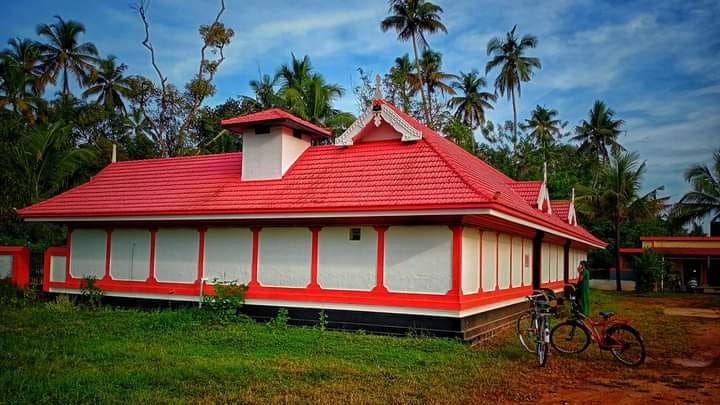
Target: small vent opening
(354, 233)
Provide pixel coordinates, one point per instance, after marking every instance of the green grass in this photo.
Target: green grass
(63, 353)
(66, 354)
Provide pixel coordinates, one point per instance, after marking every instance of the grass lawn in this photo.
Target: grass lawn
(60, 353)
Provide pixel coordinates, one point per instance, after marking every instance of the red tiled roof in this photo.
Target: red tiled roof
(528, 190)
(560, 208)
(274, 114)
(432, 173)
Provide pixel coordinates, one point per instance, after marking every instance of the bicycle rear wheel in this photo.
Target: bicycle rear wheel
(525, 328)
(569, 337)
(626, 345)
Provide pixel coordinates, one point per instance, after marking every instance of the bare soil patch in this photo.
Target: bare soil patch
(683, 364)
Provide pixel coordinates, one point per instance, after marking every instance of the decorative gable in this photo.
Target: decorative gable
(375, 116)
(543, 202)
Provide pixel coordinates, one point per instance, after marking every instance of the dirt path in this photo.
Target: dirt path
(683, 364)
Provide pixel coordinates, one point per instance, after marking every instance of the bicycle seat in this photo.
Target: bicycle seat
(607, 315)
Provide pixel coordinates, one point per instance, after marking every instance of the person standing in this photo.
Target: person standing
(583, 287)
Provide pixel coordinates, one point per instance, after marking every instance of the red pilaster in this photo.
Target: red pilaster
(67, 258)
(380, 264)
(314, 258)
(255, 254)
(480, 288)
(201, 254)
(151, 272)
(457, 232)
(108, 249)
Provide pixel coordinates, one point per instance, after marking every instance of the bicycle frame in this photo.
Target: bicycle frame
(597, 335)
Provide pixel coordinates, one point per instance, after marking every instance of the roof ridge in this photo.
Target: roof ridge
(174, 158)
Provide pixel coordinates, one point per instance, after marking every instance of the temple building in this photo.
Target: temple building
(388, 227)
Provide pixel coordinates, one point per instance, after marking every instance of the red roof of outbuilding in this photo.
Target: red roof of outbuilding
(274, 115)
(432, 173)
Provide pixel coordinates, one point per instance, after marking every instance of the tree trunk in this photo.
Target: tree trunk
(66, 86)
(419, 73)
(512, 95)
(618, 284)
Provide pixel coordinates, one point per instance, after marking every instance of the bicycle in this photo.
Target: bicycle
(613, 334)
(533, 327)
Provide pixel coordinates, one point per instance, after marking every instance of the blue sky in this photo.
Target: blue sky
(656, 63)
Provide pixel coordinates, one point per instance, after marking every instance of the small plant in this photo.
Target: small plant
(322, 320)
(281, 319)
(62, 303)
(91, 294)
(648, 269)
(224, 305)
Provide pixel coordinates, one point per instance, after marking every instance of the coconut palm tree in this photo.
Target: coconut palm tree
(599, 133)
(25, 53)
(704, 199)
(47, 158)
(617, 197)
(305, 93)
(432, 78)
(411, 19)
(509, 55)
(17, 90)
(545, 128)
(399, 76)
(108, 84)
(471, 105)
(64, 54)
(264, 89)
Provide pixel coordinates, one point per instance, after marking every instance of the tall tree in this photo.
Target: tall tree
(25, 53)
(264, 89)
(17, 90)
(411, 19)
(62, 53)
(399, 77)
(545, 128)
(704, 199)
(47, 158)
(509, 55)
(617, 197)
(306, 93)
(109, 84)
(432, 78)
(470, 106)
(599, 133)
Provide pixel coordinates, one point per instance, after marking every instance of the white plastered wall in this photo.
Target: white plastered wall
(6, 262)
(262, 155)
(418, 259)
(130, 254)
(284, 257)
(470, 260)
(345, 264)
(57, 268)
(87, 253)
(292, 148)
(176, 255)
(489, 260)
(527, 261)
(228, 255)
(504, 261)
(517, 261)
(545, 263)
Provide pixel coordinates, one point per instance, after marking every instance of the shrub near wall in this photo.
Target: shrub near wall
(648, 269)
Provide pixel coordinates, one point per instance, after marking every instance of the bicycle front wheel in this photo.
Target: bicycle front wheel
(570, 337)
(525, 327)
(542, 347)
(626, 345)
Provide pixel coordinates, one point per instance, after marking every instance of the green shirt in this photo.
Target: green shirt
(584, 288)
